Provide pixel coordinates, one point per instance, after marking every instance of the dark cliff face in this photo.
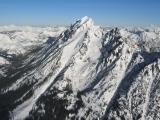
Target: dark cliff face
(85, 73)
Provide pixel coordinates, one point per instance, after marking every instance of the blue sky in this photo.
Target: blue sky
(63, 12)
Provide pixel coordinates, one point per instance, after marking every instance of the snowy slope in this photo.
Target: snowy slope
(87, 72)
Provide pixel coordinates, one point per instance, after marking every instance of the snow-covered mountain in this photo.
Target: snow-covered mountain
(85, 73)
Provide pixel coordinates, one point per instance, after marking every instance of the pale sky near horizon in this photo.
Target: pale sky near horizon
(64, 12)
